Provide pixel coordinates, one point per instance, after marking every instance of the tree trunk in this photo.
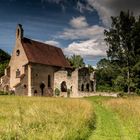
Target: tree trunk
(128, 80)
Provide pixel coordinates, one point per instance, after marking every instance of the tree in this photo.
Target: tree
(123, 40)
(4, 56)
(4, 60)
(76, 61)
(106, 72)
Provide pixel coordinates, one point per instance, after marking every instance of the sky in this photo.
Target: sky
(76, 26)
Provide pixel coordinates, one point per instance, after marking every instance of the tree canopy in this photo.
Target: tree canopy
(4, 60)
(123, 41)
(76, 61)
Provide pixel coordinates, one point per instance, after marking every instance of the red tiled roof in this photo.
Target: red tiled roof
(41, 53)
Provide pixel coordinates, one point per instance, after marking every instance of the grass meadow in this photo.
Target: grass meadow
(128, 112)
(40, 118)
(92, 118)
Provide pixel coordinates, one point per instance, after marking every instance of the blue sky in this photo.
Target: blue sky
(76, 26)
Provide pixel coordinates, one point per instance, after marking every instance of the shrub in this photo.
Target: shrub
(68, 92)
(138, 91)
(57, 92)
(121, 94)
(3, 93)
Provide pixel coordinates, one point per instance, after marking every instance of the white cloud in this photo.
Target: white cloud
(52, 42)
(83, 33)
(79, 22)
(93, 39)
(88, 48)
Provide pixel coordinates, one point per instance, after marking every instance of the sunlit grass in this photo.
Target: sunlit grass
(128, 110)
(36, 118)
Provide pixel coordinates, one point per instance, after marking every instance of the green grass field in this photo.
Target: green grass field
(36, 118)
(92, 118)
(117, 118)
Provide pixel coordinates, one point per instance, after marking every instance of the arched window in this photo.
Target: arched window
(82, 87)
(87, 86)
(63, 86)
(49, 81)
(42, 86)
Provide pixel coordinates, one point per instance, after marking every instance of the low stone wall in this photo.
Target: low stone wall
(87, 94)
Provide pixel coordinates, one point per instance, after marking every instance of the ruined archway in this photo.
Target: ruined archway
(63, 86)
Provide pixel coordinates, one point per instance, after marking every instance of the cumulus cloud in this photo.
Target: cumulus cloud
(52, 42)
(83, 33)
(79, 22)
(108, 8)
(93, 38)
(88, 48)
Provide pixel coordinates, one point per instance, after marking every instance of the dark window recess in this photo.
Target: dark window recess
(18, 52)
(42, 86)
(63, 86)
(69, 73)
(18, 33)
(82, 87)
(87, 87)
(17, 73)
(25, 86)
(49, 81)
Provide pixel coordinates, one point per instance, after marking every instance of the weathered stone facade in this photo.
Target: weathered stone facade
(37, 73)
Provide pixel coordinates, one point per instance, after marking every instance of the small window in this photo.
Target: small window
(49, 81)
(17, 73)
(18, 52)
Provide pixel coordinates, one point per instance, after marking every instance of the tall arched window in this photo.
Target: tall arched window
(82, 87)
(87, 86)
(49, 81)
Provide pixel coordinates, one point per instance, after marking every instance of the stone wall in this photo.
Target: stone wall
(62, 76)
(42, 74)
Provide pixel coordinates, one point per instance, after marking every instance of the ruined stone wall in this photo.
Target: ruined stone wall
(59, 77)
(86, 82)
(39, 74)
(71, 82)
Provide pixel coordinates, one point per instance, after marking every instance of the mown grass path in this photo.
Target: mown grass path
(108, 125)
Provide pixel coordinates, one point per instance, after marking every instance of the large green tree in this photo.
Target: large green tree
(123, 40)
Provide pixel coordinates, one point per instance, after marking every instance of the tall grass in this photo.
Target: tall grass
(128, 111)
(36, 118)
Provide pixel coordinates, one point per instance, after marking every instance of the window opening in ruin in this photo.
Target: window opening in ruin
(87, 87)
(63, 86)
(49, 81)
(82, 87)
